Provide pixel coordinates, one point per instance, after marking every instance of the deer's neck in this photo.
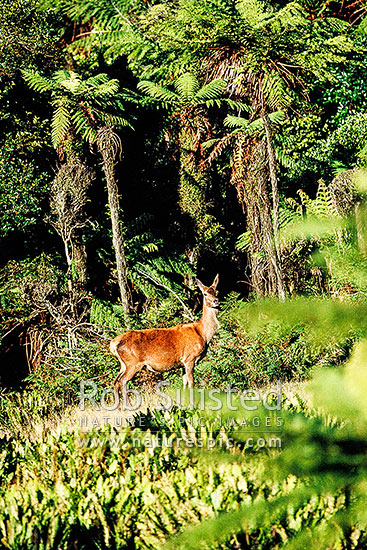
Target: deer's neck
(208, 324)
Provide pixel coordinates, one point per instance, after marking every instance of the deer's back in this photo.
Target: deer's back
(159, 348)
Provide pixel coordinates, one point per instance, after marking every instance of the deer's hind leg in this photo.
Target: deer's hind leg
(129, 367)
(116, 382)
(128, 370)
(114, 351)
(124, 376)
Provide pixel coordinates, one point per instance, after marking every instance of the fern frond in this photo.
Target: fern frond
(59, 76)
(187, 87)
(220, 147)
(84, 125)
(114, 120)
(209, 143)
(291, 17)
(275, 91)
(150, 247)
(236, 122)
(257, 125)
(332, 24)
(323, 206)
(212, 90)
(37, 82)
(244, 240)
(251, 11)
(159, 93)
(277, 117)
(110, 14)
(238, 105)
(71, 82)
(103, 90)
(284, 159)
(361, 30)
(305, 199)
(60, 123)
(288, 216)
(294, 204)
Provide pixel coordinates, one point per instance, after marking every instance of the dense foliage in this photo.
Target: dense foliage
(102, 489)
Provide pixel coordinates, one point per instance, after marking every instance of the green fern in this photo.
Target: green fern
(103, 315)
(188, 92)
(159, 93)
(152, 271)
(79, 105)
(275, 91)
(251, 11)
(256, 126)
(187, 86)
(320, 207)
(244, 241)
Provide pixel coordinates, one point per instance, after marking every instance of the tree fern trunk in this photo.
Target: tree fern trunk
(275, 256)
(192, 192)
(249, 175)
(74, 159)
(108, 150)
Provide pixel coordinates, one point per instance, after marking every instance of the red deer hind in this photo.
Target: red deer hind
(162, 349)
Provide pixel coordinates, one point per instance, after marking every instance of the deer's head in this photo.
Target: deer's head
(210, 293)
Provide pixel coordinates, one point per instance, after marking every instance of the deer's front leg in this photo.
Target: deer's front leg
(188, 377)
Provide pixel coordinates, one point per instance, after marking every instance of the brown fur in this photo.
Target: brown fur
(163, 349)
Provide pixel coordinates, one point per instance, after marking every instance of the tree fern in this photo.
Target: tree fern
(79, 105)
(212, 90)
(243, 242)
(61, 121)
(276, 94)
(251, 11)
(167, 97)
(254, 126)
(237, 122)
(187, 86)
(38, 82)
(78, 111)
(188, 92)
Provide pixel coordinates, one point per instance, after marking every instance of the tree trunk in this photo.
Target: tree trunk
(249, 175)
(275, 255)
(69, 274)
(192, 192)
(80, 261)
(108, 147)
(74, 160)
(69, 263)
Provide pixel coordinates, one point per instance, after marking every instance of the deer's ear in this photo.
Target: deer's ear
(216, 281)
(201, 286)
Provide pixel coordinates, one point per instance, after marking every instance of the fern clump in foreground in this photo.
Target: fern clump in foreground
(102, 489)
